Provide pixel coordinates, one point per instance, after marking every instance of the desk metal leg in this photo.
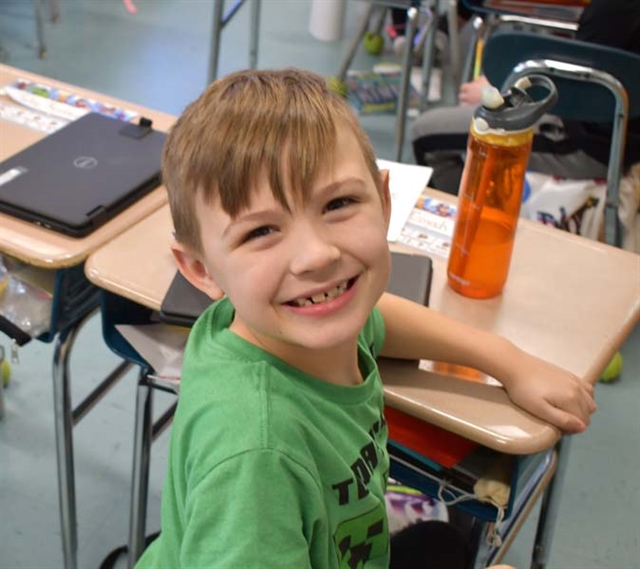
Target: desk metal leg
(65, 417)
(549, 509)
(140, 475)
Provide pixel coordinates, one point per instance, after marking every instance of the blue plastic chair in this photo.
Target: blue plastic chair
(595, 83)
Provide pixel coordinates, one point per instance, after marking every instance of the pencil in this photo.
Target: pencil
(477, 64)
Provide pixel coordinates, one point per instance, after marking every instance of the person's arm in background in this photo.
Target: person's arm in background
(470, 93)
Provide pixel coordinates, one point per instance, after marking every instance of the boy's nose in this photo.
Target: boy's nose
(312, 251)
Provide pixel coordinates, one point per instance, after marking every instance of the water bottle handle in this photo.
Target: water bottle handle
(518, 111)
(542, 106)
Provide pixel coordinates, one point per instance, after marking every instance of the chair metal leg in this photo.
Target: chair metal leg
(220, 20)
(63, 416)
(479, 28)
(549, 508)
(427, 57)
(216, 31)
(407, 61)
(140, 473)
(355, 43)
(254, 34)
(454, 42)
(54, 10)
(42, 48)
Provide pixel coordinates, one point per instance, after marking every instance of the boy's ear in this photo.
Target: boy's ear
(194, 270)
(386, 195)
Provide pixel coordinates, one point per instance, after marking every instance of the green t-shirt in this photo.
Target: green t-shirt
(270, 467)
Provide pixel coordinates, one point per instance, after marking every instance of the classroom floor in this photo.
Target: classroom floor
(158, 58)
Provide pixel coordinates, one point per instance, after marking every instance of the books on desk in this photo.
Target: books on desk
(429, 226)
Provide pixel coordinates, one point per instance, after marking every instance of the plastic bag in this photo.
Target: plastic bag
(23, 303)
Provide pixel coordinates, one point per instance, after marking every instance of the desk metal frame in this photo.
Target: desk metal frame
(66, 417)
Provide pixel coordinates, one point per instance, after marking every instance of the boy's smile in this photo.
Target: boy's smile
(322, 297)
(304, 279)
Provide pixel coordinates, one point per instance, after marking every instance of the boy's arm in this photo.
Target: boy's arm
(545, 390)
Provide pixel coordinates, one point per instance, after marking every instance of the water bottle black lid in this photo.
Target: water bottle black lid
(515, 109)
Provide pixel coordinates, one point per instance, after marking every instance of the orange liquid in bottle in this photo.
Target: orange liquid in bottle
(488, 208)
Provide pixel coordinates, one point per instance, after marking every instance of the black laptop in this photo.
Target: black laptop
(78, 178)
(410, 278)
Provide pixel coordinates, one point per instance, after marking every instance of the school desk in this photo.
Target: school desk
(558, 304)
(75, 298)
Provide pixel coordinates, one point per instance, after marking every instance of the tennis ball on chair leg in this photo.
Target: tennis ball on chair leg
(337, 86)
(373, 43)
(613, 370)
(5, 372)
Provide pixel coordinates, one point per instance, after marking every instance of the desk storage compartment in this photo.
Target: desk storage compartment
(118, 310)
(74, 298)
(526, 473)
(447, 466)
(38, 303)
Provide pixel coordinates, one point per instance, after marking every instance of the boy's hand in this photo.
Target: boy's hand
(552, 394)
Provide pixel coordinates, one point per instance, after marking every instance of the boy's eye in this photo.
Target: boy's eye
(339, 203)
(258, 232)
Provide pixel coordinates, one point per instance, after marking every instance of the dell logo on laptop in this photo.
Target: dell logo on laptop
(85, 162)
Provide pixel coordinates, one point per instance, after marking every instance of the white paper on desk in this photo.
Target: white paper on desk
(161, 345)
(406, 183)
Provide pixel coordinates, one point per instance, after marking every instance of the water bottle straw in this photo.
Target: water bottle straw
(476, 209)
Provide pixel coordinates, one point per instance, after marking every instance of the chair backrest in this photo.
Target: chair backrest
(579, 98)
(595, 83)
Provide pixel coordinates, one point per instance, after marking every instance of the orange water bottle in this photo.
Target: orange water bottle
(490, 193)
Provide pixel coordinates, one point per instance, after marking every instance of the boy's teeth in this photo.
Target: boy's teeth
(323, 296)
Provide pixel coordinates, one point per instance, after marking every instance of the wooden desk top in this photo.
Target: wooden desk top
(45, 248)
(568, 300)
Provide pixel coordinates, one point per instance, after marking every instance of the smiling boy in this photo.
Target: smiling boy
(278, 448)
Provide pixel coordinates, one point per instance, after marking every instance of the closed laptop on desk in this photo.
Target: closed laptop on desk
(81, 176)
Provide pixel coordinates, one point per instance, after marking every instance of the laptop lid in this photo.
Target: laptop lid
(410, 277)
(78, 178)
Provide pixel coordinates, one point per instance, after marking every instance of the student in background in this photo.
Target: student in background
(568, 149)
(278, 447)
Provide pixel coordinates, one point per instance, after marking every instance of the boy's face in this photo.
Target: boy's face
(305, 279)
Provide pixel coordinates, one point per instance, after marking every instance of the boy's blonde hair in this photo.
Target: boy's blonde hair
(278, 124)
